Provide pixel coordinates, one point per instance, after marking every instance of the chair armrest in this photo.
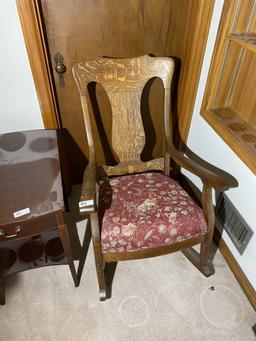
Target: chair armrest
(210, 175)
(87, 203)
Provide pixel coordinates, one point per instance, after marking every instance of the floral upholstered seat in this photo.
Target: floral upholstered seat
(147, 210)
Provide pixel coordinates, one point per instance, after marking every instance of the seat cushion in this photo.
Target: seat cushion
(146, 210)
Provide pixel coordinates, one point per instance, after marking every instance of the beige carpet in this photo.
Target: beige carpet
(159, 299)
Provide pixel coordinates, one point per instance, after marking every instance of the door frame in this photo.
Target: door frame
(31, 23)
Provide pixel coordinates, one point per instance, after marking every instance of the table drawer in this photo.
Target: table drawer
(27, 228)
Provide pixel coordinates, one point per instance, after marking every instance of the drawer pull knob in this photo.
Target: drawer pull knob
(18, 229)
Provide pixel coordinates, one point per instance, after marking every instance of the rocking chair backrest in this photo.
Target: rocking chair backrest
(123, 81)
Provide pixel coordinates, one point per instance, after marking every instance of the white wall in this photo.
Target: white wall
(205, 142)
(19, 107)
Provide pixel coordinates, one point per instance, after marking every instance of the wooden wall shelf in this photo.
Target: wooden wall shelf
(236, 132)
(229, 104)
(247, 41)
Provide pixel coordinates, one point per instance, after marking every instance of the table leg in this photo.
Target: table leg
(2, 290)
(66, 245)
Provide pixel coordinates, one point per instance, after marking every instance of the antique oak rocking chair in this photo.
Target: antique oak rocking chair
(141, 212)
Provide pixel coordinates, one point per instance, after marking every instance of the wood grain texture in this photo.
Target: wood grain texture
(140, 27)
(98, 257)
(35, 44)
(242, 100)
(243, 21)
(196, 34)
(245, 40)
(63, 233)
(211, 177)
(136, 166)
(123, 81)
(124, 75)
(229, 104)
(236, 132)
(218, 54)
(127, 30)
(132, 29)
(89, 187)
(228, 74)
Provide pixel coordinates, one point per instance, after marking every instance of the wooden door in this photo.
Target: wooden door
(85, 29)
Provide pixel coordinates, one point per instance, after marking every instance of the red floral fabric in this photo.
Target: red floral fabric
(145, 211)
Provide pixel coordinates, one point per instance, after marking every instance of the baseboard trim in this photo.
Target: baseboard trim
(236, 269)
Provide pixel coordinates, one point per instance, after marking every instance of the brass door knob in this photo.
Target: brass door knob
(60, 68)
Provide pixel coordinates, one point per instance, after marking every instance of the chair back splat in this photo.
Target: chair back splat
(124, 81)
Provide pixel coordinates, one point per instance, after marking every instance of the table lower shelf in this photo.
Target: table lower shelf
(33, 252)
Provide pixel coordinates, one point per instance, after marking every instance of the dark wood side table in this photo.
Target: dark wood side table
(33, 232)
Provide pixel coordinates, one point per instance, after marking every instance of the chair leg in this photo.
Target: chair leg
(200, 260)
(205, 261)
(66, 245)
(100, 273)
(2, 290)
(99, 263)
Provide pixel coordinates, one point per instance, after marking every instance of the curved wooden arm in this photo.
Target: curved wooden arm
(210, 175)
(87, 202)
